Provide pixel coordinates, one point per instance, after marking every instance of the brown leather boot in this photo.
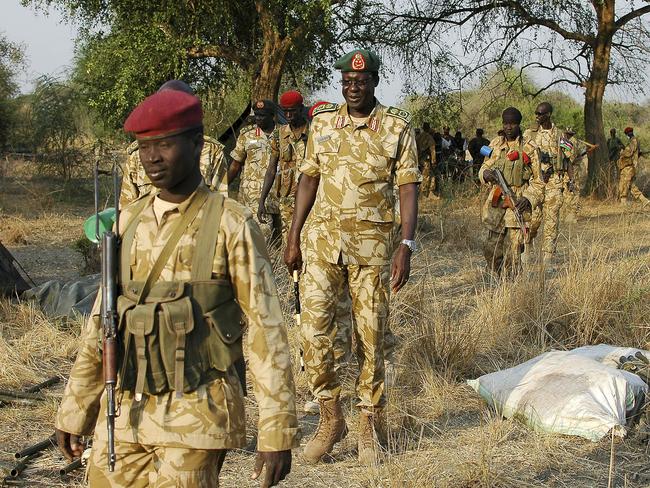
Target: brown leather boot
(331, 429)
(371, 438)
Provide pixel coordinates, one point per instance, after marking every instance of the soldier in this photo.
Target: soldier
(546, 138)
(292, 143)
(520, 167)
(426, 147)
(257, 148)
(356, 152)
(475, 146)
(135, 182)
(573, 181)
(628, 163)
(614, 146)
(192, 261)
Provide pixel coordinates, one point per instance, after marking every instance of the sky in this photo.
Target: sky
(48, 41)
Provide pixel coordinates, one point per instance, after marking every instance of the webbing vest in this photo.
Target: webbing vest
(516, 172)
(184, 333)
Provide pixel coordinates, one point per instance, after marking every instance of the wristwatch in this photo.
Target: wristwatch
(410, 244)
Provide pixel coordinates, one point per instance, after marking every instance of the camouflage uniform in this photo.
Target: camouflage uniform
(548, 140)
(572, 198)
(254, 149)
(628, 163)
(292, 152)
(189, 430)
(354, 211)
(504, 244)
(214, 168)
(426, 147)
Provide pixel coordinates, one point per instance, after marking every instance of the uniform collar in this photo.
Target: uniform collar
(182, 207)
(287, 133)
(259, 132)
(374, 119)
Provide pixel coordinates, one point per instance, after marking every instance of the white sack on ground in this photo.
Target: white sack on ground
(579, 392)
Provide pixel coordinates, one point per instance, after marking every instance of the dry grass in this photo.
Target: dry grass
(454, 322)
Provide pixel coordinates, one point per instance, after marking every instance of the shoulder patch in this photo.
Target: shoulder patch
(399, 113)
(326, 107)
(212, 140)
(133, 147)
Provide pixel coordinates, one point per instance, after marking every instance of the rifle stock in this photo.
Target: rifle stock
(509, 200)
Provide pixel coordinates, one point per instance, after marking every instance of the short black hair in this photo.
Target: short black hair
(511, 113)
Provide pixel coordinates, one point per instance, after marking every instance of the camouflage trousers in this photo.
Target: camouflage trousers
(502, 251)
(626, 184)
(142, 466)
(549, 213)
(572, 199)
(428, 181)
(322, 283)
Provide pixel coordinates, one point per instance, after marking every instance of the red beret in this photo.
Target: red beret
(628, 129)
(314, 107)
(165, 113)
(291, 99)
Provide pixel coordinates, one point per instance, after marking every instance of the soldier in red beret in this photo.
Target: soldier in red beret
(191, 262)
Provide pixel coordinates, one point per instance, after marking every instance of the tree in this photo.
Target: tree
(586, 44)
(203, 41)
(11, 60)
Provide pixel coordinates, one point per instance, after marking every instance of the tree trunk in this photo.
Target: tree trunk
(598, 175)
(266, 81)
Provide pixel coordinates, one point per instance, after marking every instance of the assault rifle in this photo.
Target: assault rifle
(509, 200)
(108, 314)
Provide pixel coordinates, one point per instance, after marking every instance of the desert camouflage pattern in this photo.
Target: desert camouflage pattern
(292, 152)
(426, 147)
(358, 167)
(255, 149)
(322, 283)
(140, 466)
(628, 163)
(136, 183)
(505, 241)
(547, 140)
(532, 190)
(629, 155)
(572, 198)
(211, 417)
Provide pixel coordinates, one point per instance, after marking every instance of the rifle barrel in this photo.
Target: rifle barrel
(39, 446)
(44, 384)
(68, 468)
(22, 465)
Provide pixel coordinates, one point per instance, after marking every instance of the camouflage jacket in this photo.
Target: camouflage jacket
(630, 154)
(533, 188)
(292, 152)
(255, 149)
(135, 182)
(547, 141)
(358, 166)
(211, 417)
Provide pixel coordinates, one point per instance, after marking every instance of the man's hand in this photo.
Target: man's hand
(278, 466)
(523, 205)
(293, 256)
(261, 212)
(69, 444)
(489, 177)
(401, 268)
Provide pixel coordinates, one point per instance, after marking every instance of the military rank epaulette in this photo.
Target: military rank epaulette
(399, 113)
(133, 147)
(326, 107)
(247, 128)
(212, 140)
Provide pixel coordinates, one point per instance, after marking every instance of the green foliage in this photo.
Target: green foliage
(11, 60)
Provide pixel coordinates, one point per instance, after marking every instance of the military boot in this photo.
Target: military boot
(331, 429)
(371, 437)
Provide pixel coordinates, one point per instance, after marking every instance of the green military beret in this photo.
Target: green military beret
(358, 60)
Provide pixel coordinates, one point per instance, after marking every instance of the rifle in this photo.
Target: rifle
(38, 447)
(509, 200)
(108, 314)
(296, 306)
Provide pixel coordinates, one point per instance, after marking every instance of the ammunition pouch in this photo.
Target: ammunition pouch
(185, 334)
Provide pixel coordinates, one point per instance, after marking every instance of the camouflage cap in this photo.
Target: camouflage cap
(358, 60)
(264, 107)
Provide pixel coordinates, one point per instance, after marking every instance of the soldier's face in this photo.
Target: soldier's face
(294, 116)
(264, 120)
(169, 161)
(542, 114)
(511, 129)
(359, 90)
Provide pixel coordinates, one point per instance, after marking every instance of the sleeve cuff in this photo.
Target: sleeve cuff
(409, 178)
(280, 439)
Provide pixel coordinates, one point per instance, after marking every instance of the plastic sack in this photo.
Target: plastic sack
(579, 392)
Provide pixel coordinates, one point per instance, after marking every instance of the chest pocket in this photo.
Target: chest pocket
(327, 152)
(376, 162)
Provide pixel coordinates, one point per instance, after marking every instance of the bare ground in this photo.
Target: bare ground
(454, 322)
